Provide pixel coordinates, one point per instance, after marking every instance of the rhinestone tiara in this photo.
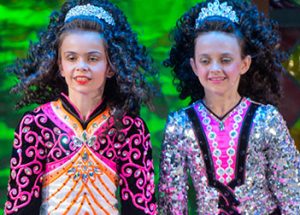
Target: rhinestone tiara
(217, 9)
(90, 10)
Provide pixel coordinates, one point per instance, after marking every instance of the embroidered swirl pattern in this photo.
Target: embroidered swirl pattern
(44, 136)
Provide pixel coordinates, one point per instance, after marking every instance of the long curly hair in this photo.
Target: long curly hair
(258, 37)
(125, 92)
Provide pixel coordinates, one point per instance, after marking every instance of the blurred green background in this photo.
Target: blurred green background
(152, 20)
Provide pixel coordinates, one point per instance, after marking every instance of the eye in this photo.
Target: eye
(204, 61)
(71, 58)
(93, 58)
(226, 60)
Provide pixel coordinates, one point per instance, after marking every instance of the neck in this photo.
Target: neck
(85, 103)
(221, 105)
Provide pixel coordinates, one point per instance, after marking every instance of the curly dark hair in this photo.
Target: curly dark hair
(125, 92)
(258, 37)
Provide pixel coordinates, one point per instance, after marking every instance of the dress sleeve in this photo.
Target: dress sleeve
(26, 164)
(284, 164)
(136, 171)
(173, 170)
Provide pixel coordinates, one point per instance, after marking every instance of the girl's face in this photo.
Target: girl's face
(83, 63)
(218, 63)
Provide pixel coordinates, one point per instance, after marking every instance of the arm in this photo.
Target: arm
(284, 164)
(173, 175)
(136, 169)
(25, 182)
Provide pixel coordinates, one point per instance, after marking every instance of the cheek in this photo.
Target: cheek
(65, 69)
(62, 71)
(234, 69)
(201, 72)
(99, 71)
(202, 76)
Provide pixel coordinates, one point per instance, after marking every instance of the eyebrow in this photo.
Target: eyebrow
(222, 54)
(91, 52)
(226, 53)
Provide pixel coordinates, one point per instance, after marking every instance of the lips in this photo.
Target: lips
(82, 80)
(216, 78)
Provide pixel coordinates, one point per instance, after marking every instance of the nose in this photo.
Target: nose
(82, 65)
(215, 66)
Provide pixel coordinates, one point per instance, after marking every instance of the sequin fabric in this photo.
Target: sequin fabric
(272, 168)
(63, 165)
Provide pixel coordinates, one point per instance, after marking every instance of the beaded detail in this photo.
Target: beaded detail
(271, 168)
(90, 10)
(217, 9)
(223, 142)
(75, 166)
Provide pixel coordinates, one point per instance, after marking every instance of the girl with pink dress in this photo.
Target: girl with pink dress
(84, 150)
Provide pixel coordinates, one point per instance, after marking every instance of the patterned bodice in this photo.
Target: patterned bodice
(64, 165)
(222, 137)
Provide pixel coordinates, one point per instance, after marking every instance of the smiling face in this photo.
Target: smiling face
(83, 63)
(218, 63)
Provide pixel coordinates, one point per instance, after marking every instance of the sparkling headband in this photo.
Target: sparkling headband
(90, 10)
(217, 9)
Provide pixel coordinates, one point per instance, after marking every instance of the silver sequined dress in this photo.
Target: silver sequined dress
(266, 177)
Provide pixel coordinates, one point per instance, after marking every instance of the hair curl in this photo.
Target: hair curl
(125, 92)
(258, 37)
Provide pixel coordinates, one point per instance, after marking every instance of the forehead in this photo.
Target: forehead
(217, 42)
(82, 40)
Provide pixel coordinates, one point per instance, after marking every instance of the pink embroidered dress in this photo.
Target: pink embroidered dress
(63, 165)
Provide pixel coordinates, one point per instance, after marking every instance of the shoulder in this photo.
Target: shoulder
(268, 113)
(134, 123)
(269, 120)
(180, 116)
(178, 123)
(38, 109)
(134, 119)
(29, 116)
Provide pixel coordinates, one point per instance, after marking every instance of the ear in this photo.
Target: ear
(110, 73)
(246, 63)
(193, 65)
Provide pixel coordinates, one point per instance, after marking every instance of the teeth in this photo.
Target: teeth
(217, 79)
(82, 79)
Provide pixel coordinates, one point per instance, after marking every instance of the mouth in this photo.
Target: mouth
(82, 80)
(216, 78)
